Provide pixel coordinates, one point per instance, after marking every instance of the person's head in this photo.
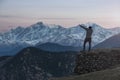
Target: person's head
(90, 27)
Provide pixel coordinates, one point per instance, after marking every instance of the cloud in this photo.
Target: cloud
(11, 16)
(43, 18)
(6, 16)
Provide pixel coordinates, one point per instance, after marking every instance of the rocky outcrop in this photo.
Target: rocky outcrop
(96, 60)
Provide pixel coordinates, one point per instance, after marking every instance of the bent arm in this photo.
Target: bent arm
(83, 27)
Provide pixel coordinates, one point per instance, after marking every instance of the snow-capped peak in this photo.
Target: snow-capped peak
(42, 33)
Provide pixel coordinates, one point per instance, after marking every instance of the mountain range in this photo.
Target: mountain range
(112, 42)
(39, 33)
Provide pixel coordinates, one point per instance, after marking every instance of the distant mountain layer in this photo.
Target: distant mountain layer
(35, 64)
(112, 42)
(16, 39)
(8, 49)
(52, 47)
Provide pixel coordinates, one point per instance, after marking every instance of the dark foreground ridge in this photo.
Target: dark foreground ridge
(101, 64)
(35, 64)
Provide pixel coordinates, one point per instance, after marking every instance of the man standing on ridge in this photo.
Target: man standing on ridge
(88, 37)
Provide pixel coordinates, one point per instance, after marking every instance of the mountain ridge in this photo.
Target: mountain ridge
(112, 42)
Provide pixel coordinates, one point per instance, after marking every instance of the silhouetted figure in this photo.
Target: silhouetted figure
(88, 37)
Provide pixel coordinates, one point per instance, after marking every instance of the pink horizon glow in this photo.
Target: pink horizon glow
(67, 13)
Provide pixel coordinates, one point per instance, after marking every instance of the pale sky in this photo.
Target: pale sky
(67, 13)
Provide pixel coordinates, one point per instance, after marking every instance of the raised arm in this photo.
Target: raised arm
(83, 27)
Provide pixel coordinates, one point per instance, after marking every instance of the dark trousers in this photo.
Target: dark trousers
(85, 41)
